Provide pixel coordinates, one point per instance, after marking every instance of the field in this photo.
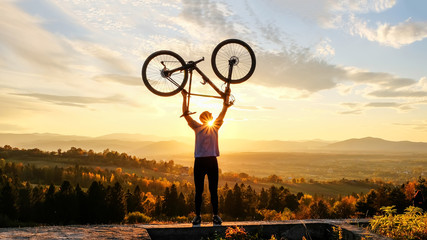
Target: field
(324, 174)
(323, 166)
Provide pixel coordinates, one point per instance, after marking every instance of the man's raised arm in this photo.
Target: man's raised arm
(185, 107)
(225, 106)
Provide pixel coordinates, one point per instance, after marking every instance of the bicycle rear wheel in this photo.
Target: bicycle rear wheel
(241, 53)
(157, 79)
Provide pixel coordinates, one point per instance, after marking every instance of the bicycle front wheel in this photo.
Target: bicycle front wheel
(242, 57)
(156, 77)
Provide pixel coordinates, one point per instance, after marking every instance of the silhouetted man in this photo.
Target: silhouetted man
(206, 151)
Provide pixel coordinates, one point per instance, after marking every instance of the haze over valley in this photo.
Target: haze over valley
(320, 160)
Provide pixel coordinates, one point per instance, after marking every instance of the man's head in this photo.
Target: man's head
(205, 117)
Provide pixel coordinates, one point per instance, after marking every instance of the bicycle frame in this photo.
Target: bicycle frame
(192, 65)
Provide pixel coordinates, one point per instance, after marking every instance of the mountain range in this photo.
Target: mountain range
(155, 146)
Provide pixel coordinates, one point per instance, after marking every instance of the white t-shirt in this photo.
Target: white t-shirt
(206, 139)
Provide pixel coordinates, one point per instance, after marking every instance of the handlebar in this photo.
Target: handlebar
(200, 60)
(196, 62)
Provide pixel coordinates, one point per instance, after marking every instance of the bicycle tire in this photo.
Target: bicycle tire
(156, 81)
(233, 49)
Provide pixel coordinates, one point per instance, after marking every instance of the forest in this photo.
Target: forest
(75, 189)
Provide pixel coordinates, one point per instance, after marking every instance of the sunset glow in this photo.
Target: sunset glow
(329, 70)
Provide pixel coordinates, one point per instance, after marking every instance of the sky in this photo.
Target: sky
(330, 70)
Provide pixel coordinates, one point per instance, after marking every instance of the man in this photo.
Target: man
(205, 153)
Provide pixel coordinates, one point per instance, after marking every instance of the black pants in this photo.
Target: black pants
(203, 166)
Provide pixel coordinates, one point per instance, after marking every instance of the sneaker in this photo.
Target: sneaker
(197, 221)
(217, 221)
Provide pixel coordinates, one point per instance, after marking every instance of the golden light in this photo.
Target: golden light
(210, 123)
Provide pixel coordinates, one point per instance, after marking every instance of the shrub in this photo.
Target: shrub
(410, 225)
(181, 219)
(235, 233)
(239, 233)
(137, 217)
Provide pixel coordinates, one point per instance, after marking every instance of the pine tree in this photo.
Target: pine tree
(263, 199)
(228, 206)
(319, 209)
(170, 201)
(274, 199)
(37, 201)
(138, 199)
(237, 210)
(8, 202)
(49, 205)
(97, 207)
(181, 209)
(66, 204)
(130, 201)
(190, 202)
(82, 205)
(116, 203)
(24, 203)
(291, 202)
(158, 207)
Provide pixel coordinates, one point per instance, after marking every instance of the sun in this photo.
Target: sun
(211, 123)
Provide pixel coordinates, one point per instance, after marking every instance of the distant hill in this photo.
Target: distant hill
(155, 146)
(13, 139)
(53, 142)
(131, 137)
(239, 145)
(164, 148)
(370, 144)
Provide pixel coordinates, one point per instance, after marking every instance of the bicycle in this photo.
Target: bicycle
(165, 73)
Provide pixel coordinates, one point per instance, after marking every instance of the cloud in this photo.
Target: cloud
(383, 105)
(107, 57)
(421, 126)
(324, 49)
(396, 36)
(350, 16)
(412, 89)
(361, 6)
(331, 14)
(392, 93)
(298, 69)
(24, 41)
(385, 80)
(5, 127)
(358, 108)
(272, 33)
(356, 111)
(350, 20)
(206, 15)
(75, 101)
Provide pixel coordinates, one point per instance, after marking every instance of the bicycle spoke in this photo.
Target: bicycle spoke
(157, 78)
(234, 50)
(241, 53)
